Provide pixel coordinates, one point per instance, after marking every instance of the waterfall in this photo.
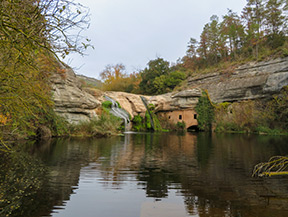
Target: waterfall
(145, 102)
(118, 112)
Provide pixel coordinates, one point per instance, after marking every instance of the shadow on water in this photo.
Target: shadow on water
(194, 174)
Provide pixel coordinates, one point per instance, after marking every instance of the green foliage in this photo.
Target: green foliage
(240, 117)
(158, 77)
(58, 125)
(105, 125)
(224, 105)
(145, 124)
(278, 106)
(181, 126)
(254, 116)
(148, 123)
(156, 68)
(257, 33)
(151, 107)
(157, 124)
(107, 104)
(205, 112)
(138, 123)
(174, 78)
(31, 32)
(268, 131)
(119, 106)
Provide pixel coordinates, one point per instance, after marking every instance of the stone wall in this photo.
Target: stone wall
(189, 116)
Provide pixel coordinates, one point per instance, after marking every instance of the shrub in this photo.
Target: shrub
(205, 111)
(138, 123)
(107, 104)
(180, 126)
(104, 125)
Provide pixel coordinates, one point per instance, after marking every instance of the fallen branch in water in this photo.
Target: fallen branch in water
(275, 166)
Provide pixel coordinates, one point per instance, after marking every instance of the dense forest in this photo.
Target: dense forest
(259, 32)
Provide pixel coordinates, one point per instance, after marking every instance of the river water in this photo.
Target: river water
(144, 175)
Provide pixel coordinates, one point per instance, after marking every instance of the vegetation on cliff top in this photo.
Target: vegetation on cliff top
(259, 32)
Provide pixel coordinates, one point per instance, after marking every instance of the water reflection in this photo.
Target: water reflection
(159, 175)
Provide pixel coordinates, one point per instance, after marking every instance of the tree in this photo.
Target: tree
(174, 78)
(275, 23)
(116, 79)
(253, 15)
(113, 77)
(54, 25)
(203, 45)
(233, 31)
(214, 38)
(211, 45)
(192, 48)
(31, 33)
(155, 69)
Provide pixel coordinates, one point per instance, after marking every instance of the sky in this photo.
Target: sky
(133, 32)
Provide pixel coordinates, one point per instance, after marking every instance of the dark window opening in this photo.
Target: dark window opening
(195, 116)
(180, 117)
(169, 117)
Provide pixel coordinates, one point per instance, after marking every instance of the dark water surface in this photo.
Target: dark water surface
(141, 175)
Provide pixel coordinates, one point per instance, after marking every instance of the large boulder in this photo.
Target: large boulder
(255, 80)
(71, 102)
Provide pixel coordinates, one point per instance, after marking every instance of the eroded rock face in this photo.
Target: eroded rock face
(132, 103)
(70, 100)
(249, 81)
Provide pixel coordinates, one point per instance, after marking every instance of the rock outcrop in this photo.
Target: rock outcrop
(186, 99)
(133, 104)
(70, 100)
(249, 81)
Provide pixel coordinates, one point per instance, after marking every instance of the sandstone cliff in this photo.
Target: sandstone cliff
(133, 104)
(249, 81)
(70, 100)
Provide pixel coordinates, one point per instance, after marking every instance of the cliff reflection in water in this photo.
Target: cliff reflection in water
(210, 174)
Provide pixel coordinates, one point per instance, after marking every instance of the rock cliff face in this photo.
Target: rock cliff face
(249, 81)
(186, 99)
(70, 100)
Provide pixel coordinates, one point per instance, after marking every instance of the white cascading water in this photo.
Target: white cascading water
(119, 112)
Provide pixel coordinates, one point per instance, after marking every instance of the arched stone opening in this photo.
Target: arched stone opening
(193, 128)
